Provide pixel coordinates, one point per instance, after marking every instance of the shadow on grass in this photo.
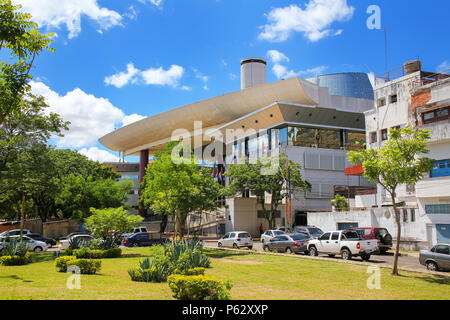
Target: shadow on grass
(43, 256)
(133, 255)
(14, 277)
(431, 278)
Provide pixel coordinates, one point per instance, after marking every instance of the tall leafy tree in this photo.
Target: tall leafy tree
(178, 188)
(399, 161)
(20, 37)
(285, 179)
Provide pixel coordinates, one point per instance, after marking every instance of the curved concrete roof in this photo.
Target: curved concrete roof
(213, 112)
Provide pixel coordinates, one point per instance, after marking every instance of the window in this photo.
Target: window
(325, 236)
(335, 236)
(381, 102)
(436, 115)
(373, 137)
(232, 235)
(393, 98)
(245, 235)
(405, 215)
(443, 249)
(283, 238)
(384, 134)
(226, 236)
(437, 209)
(413, 215)
(275, 239)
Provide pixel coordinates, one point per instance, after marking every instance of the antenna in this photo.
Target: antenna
(386, 52)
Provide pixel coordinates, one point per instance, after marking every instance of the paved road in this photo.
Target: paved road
(387, 259)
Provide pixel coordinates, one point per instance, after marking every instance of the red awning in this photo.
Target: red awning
(354, 170)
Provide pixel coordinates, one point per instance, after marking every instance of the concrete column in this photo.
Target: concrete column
(143, 162)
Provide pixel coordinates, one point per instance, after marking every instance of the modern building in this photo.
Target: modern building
(406, 97)
(311, 126)
(347, 84)
(128, 171)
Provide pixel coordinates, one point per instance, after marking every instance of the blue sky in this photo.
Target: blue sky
(119, 60)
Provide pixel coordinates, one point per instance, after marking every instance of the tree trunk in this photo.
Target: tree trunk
(399, 230)
(163, 225)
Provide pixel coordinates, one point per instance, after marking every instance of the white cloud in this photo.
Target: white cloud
(444, 66)
(132, 13)
(314, 71)
(132, 118)
(276, 56)
(232, 76)
(186, 88)
(99, 155)
(313, 21)
(52, 14)
(122, 78)
(202, 77)
(159, 76)
(156, 3)
(90, 117)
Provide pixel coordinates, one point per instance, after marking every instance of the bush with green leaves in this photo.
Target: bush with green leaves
(87, 266)
(16, 260)
(194, 272)
(85, 253)
(112, 253)
(61, 263)
(78, 242)
(199, 287)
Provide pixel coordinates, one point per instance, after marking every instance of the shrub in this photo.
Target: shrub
(194, 272)
(14, 248)
(61, 263)
(112, 253)
(85, 253)
(340, 203)
(198, 287)
(87, 266)
(16, 260)
(151, 270)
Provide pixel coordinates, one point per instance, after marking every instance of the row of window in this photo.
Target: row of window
(384, 135)
(382, 101)
(437, 209)
(436, 115)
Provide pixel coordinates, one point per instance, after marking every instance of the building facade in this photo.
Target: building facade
(409, 97)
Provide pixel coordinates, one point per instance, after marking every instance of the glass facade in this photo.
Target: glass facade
(348, 84)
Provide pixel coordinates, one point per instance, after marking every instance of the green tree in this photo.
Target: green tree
(19, 36)
(106, 223)
(340, 202)
(399, 161)
(254, 177)
(178, 189)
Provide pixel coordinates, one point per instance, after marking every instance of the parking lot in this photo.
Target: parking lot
(408, 261)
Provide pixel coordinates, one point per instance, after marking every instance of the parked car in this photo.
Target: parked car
(437, 258)
(380, 234)
(281, 229)
(71, 235)
(64, 244)
(269, 234)
(32, 245)
(309, 231)
(15, 232)
(38, 237)
(142, 239)
(236, 239)
(139, 229)
(292, 242)
(346, 243)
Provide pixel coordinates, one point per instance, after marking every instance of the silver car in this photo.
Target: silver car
(32, 245)
(269, 234)
(293, 242)
(437, 258)
(236, 239)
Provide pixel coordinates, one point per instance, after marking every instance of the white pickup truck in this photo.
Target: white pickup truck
(345, 243)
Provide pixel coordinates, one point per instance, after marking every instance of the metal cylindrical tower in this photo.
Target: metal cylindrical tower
(253, 72)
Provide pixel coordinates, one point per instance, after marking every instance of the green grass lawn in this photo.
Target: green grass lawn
(253, 276)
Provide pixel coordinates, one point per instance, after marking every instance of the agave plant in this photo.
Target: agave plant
(15, 248)
(76, 243)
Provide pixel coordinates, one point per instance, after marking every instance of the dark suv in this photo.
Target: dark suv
(140, 239)
(381, 234)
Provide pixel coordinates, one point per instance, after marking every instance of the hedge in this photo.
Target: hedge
(16, 260)
(86, 266)
(84, 253)
(112, 253)
(198, 287)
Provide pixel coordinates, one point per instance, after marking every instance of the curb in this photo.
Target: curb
(425, 272)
